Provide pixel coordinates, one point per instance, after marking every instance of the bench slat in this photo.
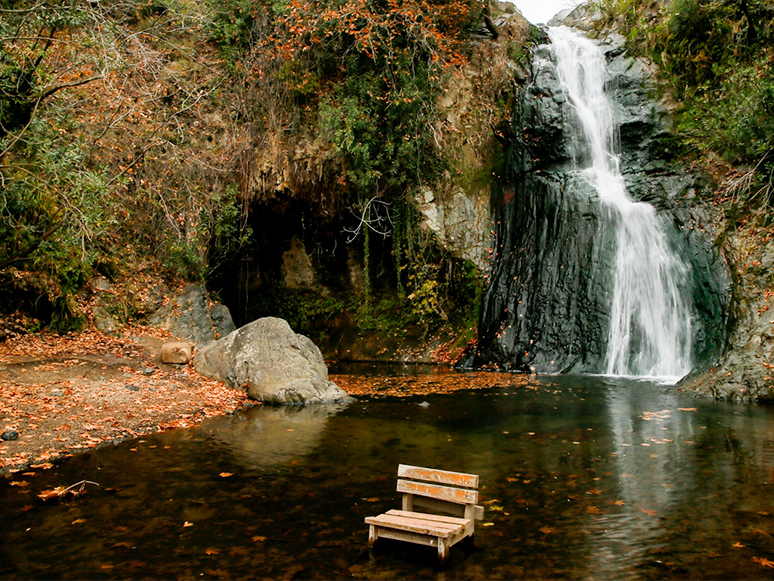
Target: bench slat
(432, 517)
(438, 476)
(414, 525)
(458, 495)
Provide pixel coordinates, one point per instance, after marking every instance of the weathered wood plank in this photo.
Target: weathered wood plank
(414, 525)
(458, 495)
(432, 517)
(438, 476)
(409, 537)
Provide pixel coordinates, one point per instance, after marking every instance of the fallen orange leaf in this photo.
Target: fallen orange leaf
(226, 474)
(764, 562)
(258, 539)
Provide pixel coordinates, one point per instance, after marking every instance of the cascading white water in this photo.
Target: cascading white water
(650, 326)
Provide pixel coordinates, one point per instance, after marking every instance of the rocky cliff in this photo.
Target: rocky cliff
(547, 305)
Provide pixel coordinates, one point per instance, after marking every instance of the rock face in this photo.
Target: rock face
(548, 302)
(270, 363)
(189, 315)
(745, 371)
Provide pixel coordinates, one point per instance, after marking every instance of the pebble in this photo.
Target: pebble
(149, 371)
(131, 387)
(10, 435)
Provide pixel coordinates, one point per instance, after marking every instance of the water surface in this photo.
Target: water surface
(582, 477)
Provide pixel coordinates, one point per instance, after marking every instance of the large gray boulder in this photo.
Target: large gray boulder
(271, 363)
(192, 316)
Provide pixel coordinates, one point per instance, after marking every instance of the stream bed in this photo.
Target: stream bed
(581, 477)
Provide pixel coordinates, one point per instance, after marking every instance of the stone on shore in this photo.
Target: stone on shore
(179, 352)
(271, 363)
(190, 315)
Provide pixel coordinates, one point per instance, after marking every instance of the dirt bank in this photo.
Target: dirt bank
(65, 394)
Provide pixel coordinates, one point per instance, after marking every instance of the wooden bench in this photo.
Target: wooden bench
(437, 491)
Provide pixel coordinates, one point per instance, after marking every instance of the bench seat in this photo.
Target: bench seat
(435, 530)
(417, 522)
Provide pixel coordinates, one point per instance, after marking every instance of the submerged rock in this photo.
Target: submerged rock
(271, 363)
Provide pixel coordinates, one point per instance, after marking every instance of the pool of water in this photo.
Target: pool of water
(582, 478)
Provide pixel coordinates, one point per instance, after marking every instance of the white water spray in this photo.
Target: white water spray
(650, 327)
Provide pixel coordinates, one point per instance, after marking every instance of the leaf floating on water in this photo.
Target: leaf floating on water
(258, 539)
(187, 524)
(225, 474)
(78, 521)
(487, 524)
(546, 530)
(51, 494)
(648, 511)
(687, 409)
(372, 499)
(212, 551)
(763, 562)
(738, 545)
(496, 507)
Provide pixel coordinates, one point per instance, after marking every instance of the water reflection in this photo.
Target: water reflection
(582, 478)
(273, 436)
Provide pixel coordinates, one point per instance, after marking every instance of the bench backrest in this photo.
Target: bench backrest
(453, 492)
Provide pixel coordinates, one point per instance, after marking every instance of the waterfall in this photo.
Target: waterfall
(650, 323)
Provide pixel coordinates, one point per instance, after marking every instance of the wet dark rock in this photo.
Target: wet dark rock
(745, 370)
(546, 307)
(131, 387)
(10, 435)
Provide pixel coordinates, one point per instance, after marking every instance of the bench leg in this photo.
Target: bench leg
(443, 551)
(372, 535)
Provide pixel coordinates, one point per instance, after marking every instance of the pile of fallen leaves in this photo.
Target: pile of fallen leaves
(64, 394)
